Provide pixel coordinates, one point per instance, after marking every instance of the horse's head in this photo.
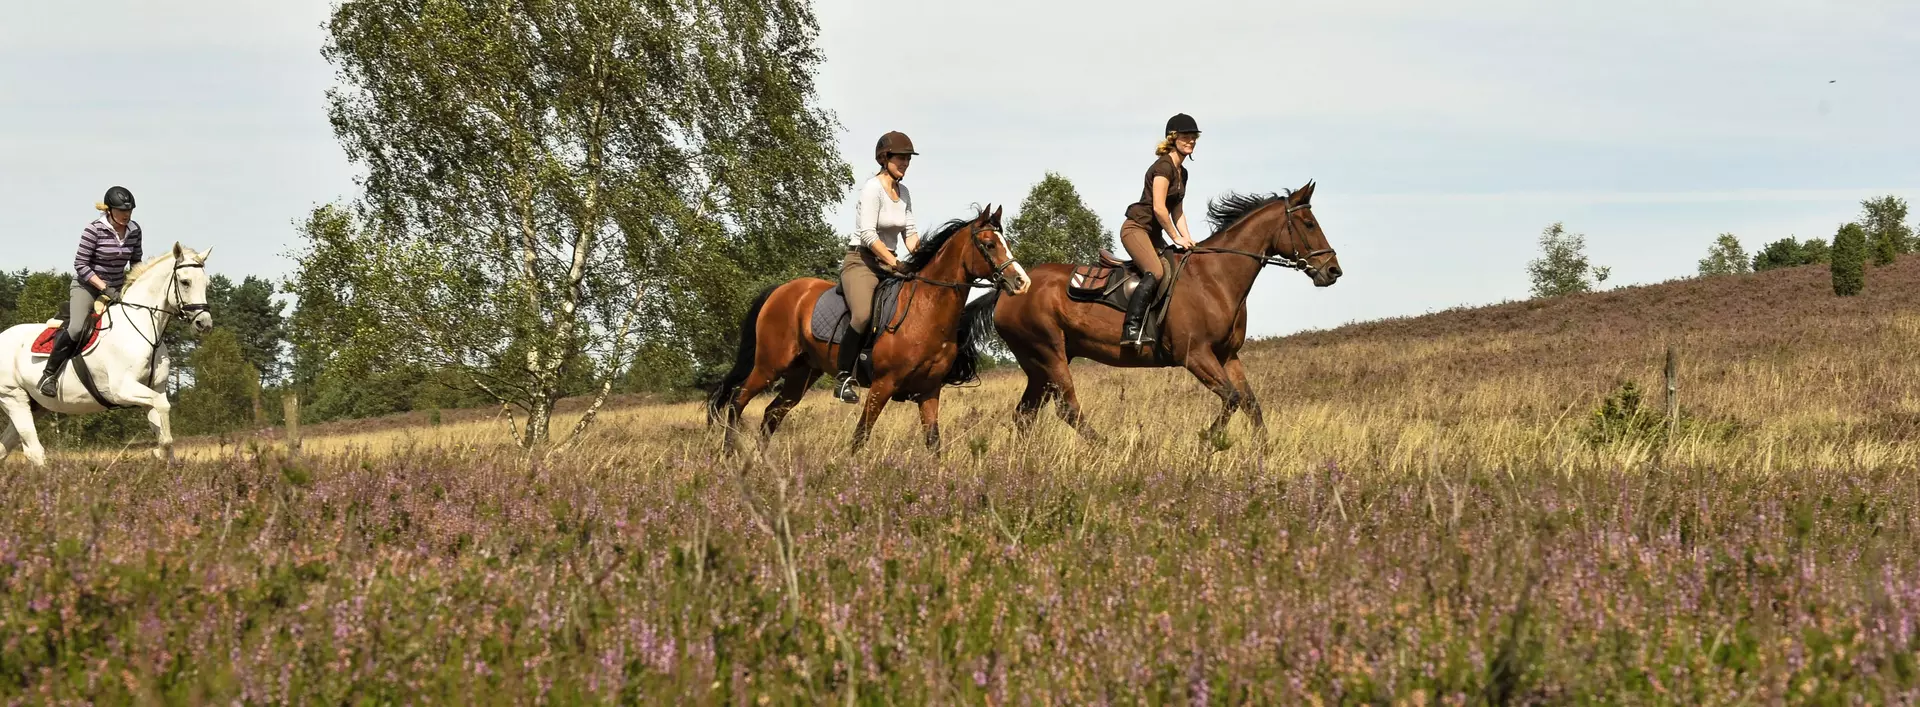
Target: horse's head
(996, 257)
(187, 293)
(1301, 240)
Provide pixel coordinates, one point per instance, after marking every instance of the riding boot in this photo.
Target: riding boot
(63, 347)
(851, 341)
(1134, 332)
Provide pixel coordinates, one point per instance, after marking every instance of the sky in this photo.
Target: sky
(1444, 136)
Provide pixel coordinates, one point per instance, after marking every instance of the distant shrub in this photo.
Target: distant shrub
(1626, 416)
(1849, 260)
(1789, 252)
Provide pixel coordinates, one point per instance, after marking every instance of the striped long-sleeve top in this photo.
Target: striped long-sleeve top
(106, 253)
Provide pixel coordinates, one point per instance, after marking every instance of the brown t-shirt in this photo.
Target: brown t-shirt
(1141, 212)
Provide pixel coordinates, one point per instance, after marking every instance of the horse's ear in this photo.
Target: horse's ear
(204, 254)
(1306, 193)
(178, 252)
(996, 214)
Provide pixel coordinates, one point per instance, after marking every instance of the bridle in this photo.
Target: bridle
(998, 275)
(1291, 261)
(186, 311)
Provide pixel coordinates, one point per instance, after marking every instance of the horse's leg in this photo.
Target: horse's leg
(757, 382)
(1237, 374)
(1212, 374)
(793, 385)
(1031, 400)
(1066, 401)
(877, 397)
(159, 414)
(21, 415)
(930, 420)
(9, 439)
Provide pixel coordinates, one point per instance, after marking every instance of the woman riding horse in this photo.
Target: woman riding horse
(1158, 214)
(108, 248)
(885, 215)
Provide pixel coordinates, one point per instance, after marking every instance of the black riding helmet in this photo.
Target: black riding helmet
(118, 199)
(1182, 123)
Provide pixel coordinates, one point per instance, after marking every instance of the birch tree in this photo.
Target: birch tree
(545, 180)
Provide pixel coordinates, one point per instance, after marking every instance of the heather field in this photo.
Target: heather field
(1464, 508)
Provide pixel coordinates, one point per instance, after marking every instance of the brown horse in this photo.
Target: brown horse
(1206, 315)
(923, 347)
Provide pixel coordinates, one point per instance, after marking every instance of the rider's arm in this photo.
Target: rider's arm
(912, 235)
(868, 224)
(1186, 234)
(83, 259)
(1160, 211)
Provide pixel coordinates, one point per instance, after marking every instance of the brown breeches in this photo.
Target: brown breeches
(1142, 247)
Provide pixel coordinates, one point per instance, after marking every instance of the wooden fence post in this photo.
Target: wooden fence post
(1673, 392)
(292, 402)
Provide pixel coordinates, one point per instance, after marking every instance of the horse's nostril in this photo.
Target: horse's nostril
(1334, 271)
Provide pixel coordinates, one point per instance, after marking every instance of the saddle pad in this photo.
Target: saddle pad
(43, 344)
(829, 320)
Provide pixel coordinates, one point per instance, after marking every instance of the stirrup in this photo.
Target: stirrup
(845, 390)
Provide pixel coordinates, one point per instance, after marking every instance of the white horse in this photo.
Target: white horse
(129, 364)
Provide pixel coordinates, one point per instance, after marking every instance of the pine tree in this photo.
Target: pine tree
(1849, 260)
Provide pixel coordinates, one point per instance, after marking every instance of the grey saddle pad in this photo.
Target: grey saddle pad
(829, 321)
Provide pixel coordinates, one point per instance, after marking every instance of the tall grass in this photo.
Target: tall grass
(1429, 519)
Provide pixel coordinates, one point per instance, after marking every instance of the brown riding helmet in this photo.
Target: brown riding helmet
(892, 143)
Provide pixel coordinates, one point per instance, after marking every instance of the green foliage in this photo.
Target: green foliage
(257, 322)
(10, 283)
(1725, 257)
(1885, 222)
(1788, 252)
(1624, 415)
(43, 296)
(224, 383)
(1562, 268)
(549, 182)
(1055, 226)
(1627, 416)
(1849, 260)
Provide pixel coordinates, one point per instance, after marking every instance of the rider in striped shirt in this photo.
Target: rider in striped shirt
(109, 247)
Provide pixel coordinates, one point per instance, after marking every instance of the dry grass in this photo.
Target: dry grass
(1429, 520)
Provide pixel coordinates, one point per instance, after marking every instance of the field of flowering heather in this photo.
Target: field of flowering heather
(1467, 508)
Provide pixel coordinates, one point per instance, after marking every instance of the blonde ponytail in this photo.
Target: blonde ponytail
(1165, 146)
(101, 205)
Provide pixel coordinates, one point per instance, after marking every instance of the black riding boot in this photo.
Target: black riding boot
(1135, 330)
(850, 344)
(63, 346)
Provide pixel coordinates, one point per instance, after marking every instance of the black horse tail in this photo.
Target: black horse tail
(722, 394)
(976, 326)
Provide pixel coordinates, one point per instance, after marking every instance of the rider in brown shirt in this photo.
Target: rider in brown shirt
(1158, 216)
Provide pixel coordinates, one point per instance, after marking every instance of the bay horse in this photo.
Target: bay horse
(923, 349)
(1205, 317)
(128, 362)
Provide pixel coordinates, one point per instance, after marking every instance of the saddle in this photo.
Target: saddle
(828, 322)
(43, 344)
(1112, 282)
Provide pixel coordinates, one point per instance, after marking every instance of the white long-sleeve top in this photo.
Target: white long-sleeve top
(881, 217)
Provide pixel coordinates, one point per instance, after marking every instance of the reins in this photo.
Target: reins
(1293, 261)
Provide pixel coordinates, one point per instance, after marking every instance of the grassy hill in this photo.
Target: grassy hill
(1444, 510)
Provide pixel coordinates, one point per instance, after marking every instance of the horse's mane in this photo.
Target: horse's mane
(1228, 210)
(150, 264)
(930, 245)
